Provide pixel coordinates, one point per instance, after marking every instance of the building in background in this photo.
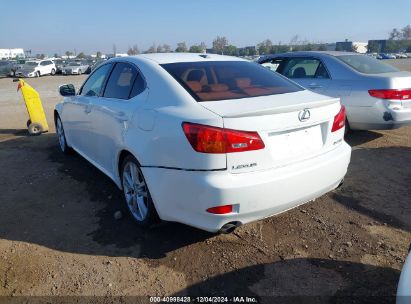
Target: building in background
(350, 46)
(389, 46)
(11, 53)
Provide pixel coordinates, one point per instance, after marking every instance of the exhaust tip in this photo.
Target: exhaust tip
(229, 227)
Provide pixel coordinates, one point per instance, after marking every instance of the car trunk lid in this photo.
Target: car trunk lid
(293, 126)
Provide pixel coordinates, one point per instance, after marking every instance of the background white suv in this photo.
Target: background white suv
(37, 68)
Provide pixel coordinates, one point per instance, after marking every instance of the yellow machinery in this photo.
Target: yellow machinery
(37, 122)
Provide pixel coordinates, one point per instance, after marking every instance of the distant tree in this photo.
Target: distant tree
(68, 53)
(307, 47)
(81, 55)
(406, 32)
(56, 55)
(151, 49)
(395, 34)
(166, 48)
(231, 50)
(322, 47)
(264, 47)
(40, 56)
(196, 49)
(294, 40)
(98, 54)
(243, 52)
(354, 48)
(203, 46)
(181, 47)
(160, 49)
(219, 43)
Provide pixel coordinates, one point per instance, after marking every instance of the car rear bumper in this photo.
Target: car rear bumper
(378, 117)
(184, 196)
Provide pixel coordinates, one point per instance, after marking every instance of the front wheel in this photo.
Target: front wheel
(136, 193)
(38, 74)
(53, 72)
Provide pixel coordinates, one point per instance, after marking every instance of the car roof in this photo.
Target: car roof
(311, 53)
(162, 58)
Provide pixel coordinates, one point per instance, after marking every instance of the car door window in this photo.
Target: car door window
(94, 84)
(305, 68)
(121, 81)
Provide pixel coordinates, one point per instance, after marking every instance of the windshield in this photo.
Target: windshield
(366, 64)
(31, 64)
(220, 80)
(2, 63)
(74, 64)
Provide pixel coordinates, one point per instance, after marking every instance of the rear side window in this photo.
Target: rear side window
(121, 81)
(221, 80)
(94, 84)
(367, 65)
(273, 64)
(304, 68)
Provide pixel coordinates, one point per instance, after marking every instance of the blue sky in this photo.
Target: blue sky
(47, 26)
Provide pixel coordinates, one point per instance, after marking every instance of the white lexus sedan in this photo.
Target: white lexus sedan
(206, 140)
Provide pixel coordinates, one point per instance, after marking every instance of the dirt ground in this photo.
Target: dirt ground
(58, 235)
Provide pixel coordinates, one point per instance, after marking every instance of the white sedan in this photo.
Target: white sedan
(206, 140)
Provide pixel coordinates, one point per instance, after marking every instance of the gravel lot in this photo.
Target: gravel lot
(58, 235)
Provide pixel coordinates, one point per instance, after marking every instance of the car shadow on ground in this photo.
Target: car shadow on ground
(304, 280)
(356, 138)
(17, 132)
(378, 185)
(64, 202)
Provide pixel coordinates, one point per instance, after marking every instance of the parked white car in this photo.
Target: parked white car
(37, 69)
(404, 285)
(377, 95)
(207, 140)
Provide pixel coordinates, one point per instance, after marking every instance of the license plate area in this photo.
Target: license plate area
(295, 144)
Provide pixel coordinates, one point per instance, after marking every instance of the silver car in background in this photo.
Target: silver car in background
(74, 68)
(376, 95)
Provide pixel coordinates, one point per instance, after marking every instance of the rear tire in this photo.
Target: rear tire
(35, 129)
(136, 193)
(62, 137)
(28, 123)
(53, 72)
(347, 128)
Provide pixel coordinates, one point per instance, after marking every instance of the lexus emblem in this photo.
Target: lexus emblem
(304, 115)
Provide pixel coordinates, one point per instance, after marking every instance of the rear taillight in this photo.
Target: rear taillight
(208, 139)
(221, 209)
(339, 120)
(404, 94)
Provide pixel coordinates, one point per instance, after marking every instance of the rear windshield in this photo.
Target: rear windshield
(221, 80)
(366, 64)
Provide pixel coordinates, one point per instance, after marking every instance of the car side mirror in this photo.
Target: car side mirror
(67, 90)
